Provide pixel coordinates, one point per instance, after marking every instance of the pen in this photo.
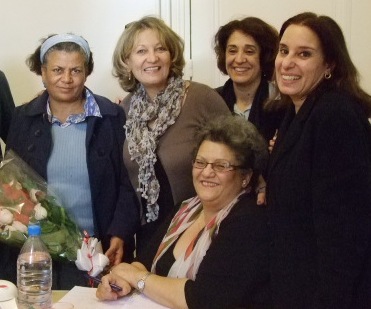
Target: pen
(114, 287)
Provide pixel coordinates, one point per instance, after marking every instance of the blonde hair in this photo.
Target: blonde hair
(168, 38)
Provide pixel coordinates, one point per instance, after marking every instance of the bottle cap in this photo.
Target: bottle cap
(34, 230)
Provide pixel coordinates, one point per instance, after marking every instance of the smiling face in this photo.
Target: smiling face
(64, 76)
(242, 59)
(300, 64)
(150, 62)
(216, 189)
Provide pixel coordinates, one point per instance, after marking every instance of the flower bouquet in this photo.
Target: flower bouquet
(25, 199)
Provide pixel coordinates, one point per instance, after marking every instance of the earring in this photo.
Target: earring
(130, 75)
(244, 184)
(328, 75)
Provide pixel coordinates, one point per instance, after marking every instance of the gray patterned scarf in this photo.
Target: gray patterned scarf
(142, 140)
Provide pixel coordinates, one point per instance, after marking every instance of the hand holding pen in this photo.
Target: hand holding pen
(107, 289)
(97, 280)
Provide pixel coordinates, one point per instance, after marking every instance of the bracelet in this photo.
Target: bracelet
(142, 282)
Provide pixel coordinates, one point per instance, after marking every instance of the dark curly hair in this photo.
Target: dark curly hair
(242, 137)
(264, 34)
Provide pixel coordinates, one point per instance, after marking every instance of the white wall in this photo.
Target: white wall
(25, 22)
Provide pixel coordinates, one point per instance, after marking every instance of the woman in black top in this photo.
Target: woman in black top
(215, 251)
(245, 51)
(319, 180)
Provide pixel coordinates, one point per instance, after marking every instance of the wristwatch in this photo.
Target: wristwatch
(142, 282)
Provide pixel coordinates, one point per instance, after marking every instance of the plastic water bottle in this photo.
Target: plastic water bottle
(34, 273)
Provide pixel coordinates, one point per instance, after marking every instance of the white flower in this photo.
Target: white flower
(40, 212)
(16, 184)
(6, 217)
(19, 227)
(33, 195)
(10, 228)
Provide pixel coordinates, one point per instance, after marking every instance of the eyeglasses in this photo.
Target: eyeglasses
(220, 166)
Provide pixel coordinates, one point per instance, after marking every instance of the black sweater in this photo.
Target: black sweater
(235, 271)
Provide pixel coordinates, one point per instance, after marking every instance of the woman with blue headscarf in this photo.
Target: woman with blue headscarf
(74, 138)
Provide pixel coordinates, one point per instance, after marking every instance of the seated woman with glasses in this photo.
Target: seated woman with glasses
(215, 251)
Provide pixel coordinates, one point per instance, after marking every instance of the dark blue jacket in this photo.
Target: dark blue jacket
(6, 107)
(112, 195)
(267, 122)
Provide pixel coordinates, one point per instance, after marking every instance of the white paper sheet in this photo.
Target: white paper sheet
(84, 298)
(9, 304)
